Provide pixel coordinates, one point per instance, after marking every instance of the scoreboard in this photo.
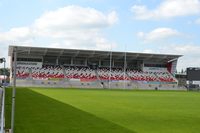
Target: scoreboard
(193, 74)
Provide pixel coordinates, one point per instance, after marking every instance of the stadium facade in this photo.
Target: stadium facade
(54, 67)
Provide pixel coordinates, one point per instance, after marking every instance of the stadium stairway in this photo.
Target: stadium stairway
(66, 80)
(99, 80)
(133, 83)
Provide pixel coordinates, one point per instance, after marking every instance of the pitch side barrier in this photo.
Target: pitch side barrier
(58, 83)
(103, 84)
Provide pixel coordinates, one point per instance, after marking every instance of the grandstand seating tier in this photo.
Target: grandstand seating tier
(69, 72)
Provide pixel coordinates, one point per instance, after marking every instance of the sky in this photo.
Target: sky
(148, 26)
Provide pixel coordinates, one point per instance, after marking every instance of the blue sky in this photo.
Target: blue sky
(153, 26)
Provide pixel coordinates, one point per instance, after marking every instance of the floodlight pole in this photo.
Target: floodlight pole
(110, 68)
(3, 98)
(14, 92)
(4, 72)
(125, 70)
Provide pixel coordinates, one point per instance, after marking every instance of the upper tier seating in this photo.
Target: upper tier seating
(165, 76)
(142, 76)
(80, 73)
(114, 74)
(159, 76)
(22, 72)
(86, 73)
(47, 71)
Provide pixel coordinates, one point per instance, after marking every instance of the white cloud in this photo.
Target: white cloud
(75, 27)
(158, 34)
(96, 43)
(15, 34)
(67, 27)
(70, 20)
(167, 9)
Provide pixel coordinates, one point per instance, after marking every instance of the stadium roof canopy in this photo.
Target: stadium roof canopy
(24, 51)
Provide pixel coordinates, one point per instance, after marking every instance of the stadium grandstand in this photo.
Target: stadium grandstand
(54, 67)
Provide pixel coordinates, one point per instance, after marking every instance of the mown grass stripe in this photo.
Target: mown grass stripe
(140, 111)
(36, 113)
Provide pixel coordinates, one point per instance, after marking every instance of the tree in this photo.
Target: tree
(7, 71)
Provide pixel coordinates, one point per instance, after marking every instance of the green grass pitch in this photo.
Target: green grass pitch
(44, 110)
